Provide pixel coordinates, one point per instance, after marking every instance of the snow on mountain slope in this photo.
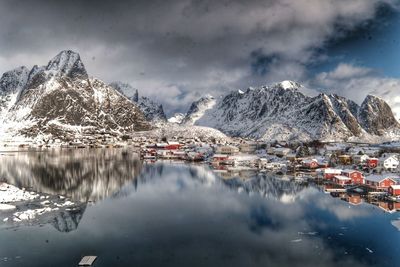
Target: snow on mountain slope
(197, 109)
(177, 118)
(284, 112)
(153, 111)
(59, 99)
(172, 130)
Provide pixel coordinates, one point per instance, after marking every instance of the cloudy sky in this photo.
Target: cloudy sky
(178, 50)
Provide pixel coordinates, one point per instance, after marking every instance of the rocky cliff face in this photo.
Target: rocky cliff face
(59, 99)
(376, 116)
(152, 111)
(284, 112)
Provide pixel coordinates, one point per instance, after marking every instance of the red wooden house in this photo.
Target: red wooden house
(329, 173)
(355, 176)
(341, 180)
(372, 162)
(394, 190)
(381, 182)
(310, 163)
(354, 199)
(173, 146)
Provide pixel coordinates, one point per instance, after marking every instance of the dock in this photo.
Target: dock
(335, 190)
(87, 260)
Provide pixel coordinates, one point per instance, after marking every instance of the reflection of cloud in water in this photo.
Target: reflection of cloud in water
(172, 214)
(342, 210)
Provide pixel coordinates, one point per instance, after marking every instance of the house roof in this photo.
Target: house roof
(332, 171)
(342, 177)
(349, 171)
(380, 177)
(173, 143)
(220, 156)
(396, 186)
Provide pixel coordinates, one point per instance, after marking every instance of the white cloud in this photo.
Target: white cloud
(180, 45)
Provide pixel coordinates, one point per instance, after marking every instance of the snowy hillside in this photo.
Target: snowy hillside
(197, 109)
(284, 112)
(177, 118)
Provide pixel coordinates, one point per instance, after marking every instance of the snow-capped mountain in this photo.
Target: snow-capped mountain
(60, 99)
(153, 111)
(197, 109)
(284, 112)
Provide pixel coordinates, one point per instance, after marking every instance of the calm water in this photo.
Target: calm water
(135, 214)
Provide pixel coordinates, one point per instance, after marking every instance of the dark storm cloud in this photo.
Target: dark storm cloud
(177, 48)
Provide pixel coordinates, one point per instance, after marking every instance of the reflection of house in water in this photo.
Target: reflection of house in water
(354, 199)
(389, 206)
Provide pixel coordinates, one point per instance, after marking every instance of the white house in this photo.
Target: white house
(389, 162)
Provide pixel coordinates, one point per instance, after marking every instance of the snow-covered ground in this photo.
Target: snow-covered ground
(16, 203)
(171, 130)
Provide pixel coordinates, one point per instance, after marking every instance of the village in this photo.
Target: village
(351, 171)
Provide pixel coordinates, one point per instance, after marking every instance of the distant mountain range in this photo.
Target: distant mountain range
(60, 100)
(284, 112)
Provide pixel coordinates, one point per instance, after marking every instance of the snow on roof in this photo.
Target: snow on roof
(342, 177)
(349, 170)
(220, 156)
(380, 177)
(173, 143)
(332, 171)
(396, 186)
(388, 156)
(161, 144)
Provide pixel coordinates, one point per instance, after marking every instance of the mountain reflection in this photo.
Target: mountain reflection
(82, 175)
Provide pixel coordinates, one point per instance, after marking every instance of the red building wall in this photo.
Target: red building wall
(386, 183)
(372, 163)
(394, 192)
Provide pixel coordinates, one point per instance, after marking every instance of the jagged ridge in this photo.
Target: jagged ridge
(60, 98)
(153, 111)
(283, 112)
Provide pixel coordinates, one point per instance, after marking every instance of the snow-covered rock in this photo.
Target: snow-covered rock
(198, 108)
(153, 111)
(173, 130)
(59, 98)
(376, 115)
(177, 118)
(11, 194)
(284, 112)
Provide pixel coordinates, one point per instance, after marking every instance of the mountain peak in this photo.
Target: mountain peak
(371, 97)
(376, 115)
(67, 63)
(14, 79)
(288, 85)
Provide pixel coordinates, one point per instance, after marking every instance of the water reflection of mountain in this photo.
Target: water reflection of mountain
(268, 186)
(67, 221)
(82, 175)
